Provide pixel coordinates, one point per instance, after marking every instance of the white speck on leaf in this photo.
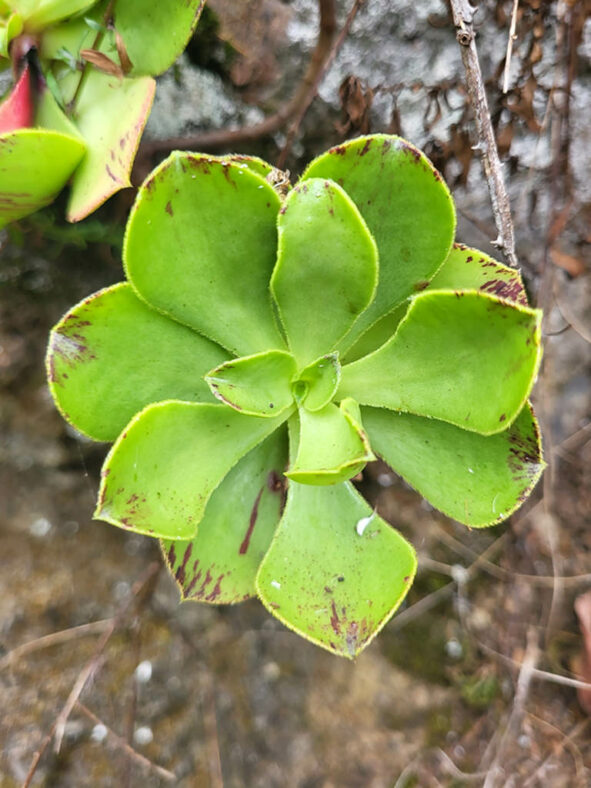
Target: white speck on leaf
(275, 584)
(363, 523)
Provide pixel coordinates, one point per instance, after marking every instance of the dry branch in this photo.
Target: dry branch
(227, 138)
(463, 15)
(119, 742)
(309, 98)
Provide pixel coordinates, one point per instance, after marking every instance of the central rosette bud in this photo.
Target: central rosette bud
(332, 445)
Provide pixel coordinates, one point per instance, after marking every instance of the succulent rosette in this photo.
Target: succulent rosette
(83, 91)
(267, 345)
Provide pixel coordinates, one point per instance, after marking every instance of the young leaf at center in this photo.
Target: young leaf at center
(258, 385)
(326, 270)
(333, 446)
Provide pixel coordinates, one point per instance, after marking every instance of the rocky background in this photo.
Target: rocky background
(465, 685)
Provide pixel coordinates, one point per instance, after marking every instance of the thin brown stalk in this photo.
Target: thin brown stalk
(120, 743)
(545, 581)
(510, 41)
(463, 14)
(227, 138)
(54, 639)
(313, 90)
(140, 592)
(566, 743)
(495, 772)
(107, 19)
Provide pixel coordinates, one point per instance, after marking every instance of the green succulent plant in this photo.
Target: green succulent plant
(83, 91)
(267, 345)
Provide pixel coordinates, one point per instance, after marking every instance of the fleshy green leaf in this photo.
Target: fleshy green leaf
(471, 269)
(333, 446)
(70, 37)
(159, 475)
(9, 29)
(321, 379)
(201, 244)
(464, 269)
(112, 355)
(155, 32)
(258, 385)
(477, 479)
(111, 115)
(24, 188)
(376, 336)
(335, 572)
(42, 13)
(254, 163)
(50, 115)
(466, 358)
(220, 563)
(406, 206)
(326, 269)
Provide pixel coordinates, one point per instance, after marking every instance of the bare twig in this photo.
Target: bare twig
(139, 593)
(542, 675)
(55, 639)
(463, 14)
(514, 722)
(120, 742)
(510, 41)
(567, 743)
(92, 665)
(225, 138)
(546, 581)
(38, 755)
(305, 104)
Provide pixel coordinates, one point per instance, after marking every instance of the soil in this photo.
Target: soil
(445, 696)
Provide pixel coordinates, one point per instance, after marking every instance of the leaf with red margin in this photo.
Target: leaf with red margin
(111, 355)
(25, 188)
(335, 572)
(163, 468)
(110, 115)
(479, 480)
(471, 269)
(463, 357)
(220, 563)
(406, 206)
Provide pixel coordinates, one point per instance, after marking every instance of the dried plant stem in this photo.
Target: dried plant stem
(495, 776)
(225, 138)
(55, 639)
(107, 20)
(463, 14)
(140, 592)
(309, 98)
(510, 41)
(120, 742)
